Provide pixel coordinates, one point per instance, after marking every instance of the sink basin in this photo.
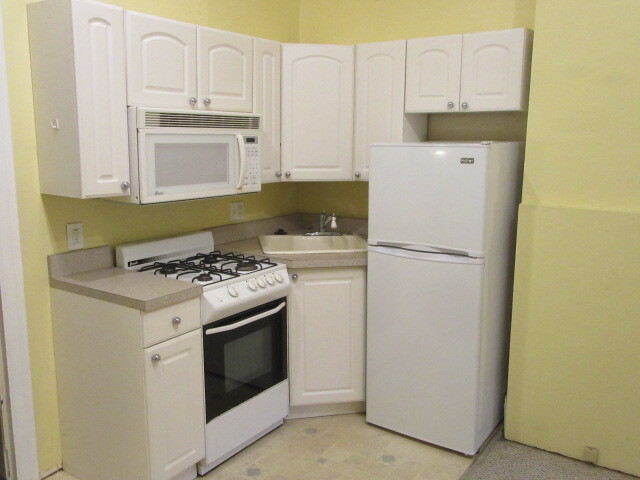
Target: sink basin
(296, 244)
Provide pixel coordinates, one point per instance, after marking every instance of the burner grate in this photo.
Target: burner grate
(212, 267)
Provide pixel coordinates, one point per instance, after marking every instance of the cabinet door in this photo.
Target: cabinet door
(495, 70)
(433, 74)
(379, 102)
(161, 62)
(266, 102)
(225, 70)
(175, 404)
(326, 335)
(317, 111)
(98, 42)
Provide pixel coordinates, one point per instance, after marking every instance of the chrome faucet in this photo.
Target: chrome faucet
(324, 219)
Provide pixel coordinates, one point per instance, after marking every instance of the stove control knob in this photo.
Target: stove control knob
(279, 277)
(252, 285)
(261, 282)
(232, 291)
(270, 279)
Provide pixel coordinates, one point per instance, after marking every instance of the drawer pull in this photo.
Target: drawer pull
(155, 358)
(176, 321)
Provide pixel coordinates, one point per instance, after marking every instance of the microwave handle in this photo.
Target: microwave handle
(242, 323)
(243, 160)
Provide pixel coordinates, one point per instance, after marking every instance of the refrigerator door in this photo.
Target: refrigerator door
(423, 346)
(430, 195)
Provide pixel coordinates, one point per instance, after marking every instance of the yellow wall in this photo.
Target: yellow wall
(574, 361)
(43, 218)
(358, 21)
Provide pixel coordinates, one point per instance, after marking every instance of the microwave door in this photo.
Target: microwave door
(184, 166)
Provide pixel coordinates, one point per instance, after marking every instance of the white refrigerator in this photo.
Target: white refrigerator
(442, 220)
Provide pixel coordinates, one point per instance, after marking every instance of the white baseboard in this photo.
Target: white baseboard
(306, 411)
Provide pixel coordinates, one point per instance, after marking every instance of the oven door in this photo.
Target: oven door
(244, 355)
(184, 164)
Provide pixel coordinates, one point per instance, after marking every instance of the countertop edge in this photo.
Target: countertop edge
(172, 296)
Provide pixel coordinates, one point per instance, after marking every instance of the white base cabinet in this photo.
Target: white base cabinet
(327, 335)
(476, 72)
(130, 389)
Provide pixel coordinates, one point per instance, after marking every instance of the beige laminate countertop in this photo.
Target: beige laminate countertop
(131, 289)
(308, 260)
(90, 272)
(148, 292)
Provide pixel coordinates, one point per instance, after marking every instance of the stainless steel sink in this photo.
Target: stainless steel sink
(298, 244)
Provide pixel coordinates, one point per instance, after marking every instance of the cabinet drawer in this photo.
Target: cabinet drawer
(160, 325)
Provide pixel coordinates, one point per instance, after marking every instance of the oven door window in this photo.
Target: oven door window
(179, 163)
(244, 361)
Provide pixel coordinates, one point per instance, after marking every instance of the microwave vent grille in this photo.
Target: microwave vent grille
(194, 120)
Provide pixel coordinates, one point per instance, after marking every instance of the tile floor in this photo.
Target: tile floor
(340, 447)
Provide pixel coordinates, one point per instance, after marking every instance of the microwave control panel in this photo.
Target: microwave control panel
(252, 147)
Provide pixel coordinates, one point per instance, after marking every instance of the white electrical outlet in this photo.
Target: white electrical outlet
(236, 211)
(75, 237)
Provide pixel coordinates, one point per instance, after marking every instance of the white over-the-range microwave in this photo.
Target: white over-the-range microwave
(185, 155)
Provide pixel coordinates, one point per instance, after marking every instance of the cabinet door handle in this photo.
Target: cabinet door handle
(155, 358)
(464, 105)
(357, 174)
(125, 185)
(294, 276)
(450, 105)
(287, 174)
(207, 101)
(278, 174)
(193, 100)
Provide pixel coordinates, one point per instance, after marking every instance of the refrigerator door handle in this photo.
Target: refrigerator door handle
(414, 247)
(425, 255)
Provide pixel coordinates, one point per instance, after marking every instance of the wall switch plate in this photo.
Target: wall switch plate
(236, 211)
(75, 236)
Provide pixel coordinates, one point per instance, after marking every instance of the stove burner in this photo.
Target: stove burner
(203, 277)
(168, 269)
(246, 267)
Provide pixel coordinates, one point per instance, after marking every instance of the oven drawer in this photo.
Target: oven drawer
(170, 322)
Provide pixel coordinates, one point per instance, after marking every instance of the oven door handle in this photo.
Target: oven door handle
(243, 160)
(246, 321)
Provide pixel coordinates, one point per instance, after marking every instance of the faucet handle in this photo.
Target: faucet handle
(334, 223)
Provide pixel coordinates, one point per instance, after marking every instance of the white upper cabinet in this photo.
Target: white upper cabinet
(495, 70)
(79, 92)
(178, 65)
(433, 74)
(161, 62)
(379, 99)
(474, 72)
(266, 102)
(317, 111)
(225, 70)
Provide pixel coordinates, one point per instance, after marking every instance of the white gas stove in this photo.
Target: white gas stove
(232, 282)
(244, 335)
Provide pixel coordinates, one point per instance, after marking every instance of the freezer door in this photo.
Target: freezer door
(431, 195)
(423, 348)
